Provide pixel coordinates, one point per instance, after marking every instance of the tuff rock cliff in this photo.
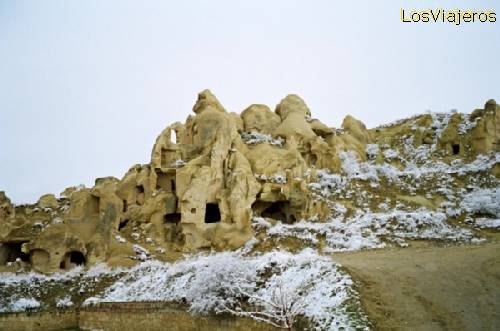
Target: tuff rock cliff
(220, 179)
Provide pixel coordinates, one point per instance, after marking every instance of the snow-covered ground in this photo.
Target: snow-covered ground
(229, 282)
(220, 282)
(370, 230)
(25, 291)
(21, 304)
(390, 205)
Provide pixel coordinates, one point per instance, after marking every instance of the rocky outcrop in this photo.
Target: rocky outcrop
(485, 136)
(207, 179)
(259, 118)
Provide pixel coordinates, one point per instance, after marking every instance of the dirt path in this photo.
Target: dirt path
(429, 288)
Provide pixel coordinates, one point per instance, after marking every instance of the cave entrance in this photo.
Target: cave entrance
(212, 213)
(77, 258)
(11, 251)
(455, 149)
(314, 159)
(275, 210)
(140, 195)
(122, 224)
(73, 259)
(165, 182)
(278, 210)
(172, 218)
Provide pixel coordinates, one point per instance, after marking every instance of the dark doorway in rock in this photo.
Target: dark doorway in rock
(11, 251)
(139, 191)
(212, 213)
(165, 181)
(122, 224)
(314, 159)
(172, 218)
(77, 258)
(72, 259)
(455, 149)
(276, 211)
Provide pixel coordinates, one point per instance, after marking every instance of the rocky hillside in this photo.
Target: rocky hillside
(273, 193)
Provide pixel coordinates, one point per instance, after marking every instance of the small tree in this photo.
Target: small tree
(280, 310)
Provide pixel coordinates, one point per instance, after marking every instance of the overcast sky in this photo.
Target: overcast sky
(86, 86)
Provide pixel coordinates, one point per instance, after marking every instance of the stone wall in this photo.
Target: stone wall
(34, 321)
(130, 316)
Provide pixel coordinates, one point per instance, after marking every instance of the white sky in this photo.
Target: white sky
(86, 86)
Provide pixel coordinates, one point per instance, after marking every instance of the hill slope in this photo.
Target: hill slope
(242, 214)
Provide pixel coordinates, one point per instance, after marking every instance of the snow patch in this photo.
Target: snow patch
(20, 305)
(218, 283)
(253, 138)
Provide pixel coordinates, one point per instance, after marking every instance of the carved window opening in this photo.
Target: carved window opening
(165, 181)
(139, 189)
(275, 211)
(122, 224)
(173, 218)
(11, 251)
(314, 159)
(77, 258)
(278, 210)
(455, 149)
(72, 259)
(212, 213)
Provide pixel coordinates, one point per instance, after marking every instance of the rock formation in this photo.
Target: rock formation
(209, 176)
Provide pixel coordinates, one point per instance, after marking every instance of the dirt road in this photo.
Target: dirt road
(429, 288)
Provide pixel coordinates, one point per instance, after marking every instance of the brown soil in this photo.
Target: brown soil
(429, 288)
